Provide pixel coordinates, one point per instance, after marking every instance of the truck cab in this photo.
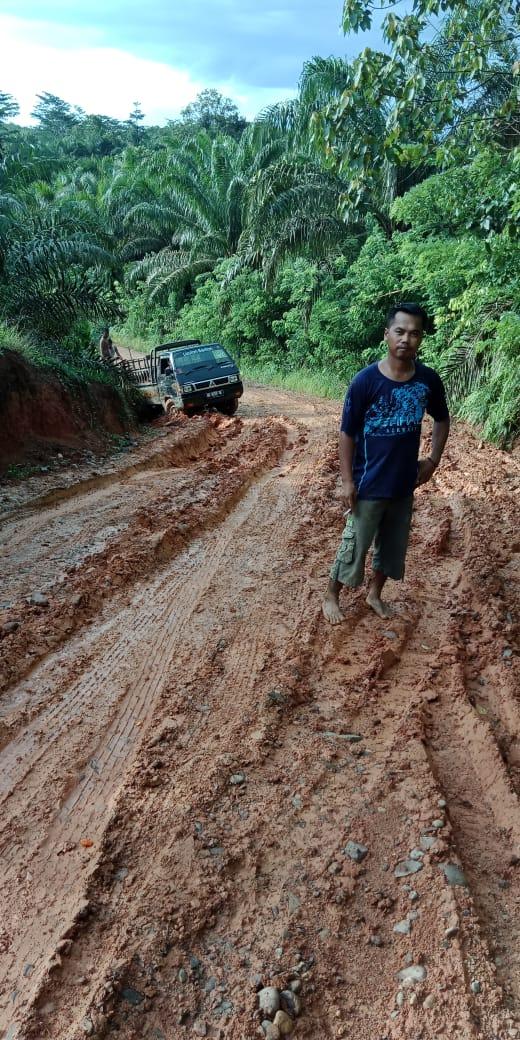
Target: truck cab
(193, 376)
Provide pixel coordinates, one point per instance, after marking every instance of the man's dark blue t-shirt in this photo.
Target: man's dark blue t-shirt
(384, 417)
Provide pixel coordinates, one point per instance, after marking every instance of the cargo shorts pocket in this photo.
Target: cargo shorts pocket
(347, 548)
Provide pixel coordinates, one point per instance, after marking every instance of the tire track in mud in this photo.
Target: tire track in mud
(362, 681)
(307, 627)
(472, 729)
(64, 526)
(253, 524)
(189, 441)
(192, 864)
(154, 536)
(172, 609)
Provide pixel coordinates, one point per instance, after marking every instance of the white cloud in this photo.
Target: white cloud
(98, 79)
(102, 79)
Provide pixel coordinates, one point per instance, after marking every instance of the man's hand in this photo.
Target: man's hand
(349, 493)
(425, 471)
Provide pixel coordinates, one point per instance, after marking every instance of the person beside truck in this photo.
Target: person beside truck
(107, 349)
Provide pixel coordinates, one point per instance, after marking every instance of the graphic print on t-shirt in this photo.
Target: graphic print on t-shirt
(400, 413)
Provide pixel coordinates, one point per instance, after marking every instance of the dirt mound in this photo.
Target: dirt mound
(206, 790)
(39, 412)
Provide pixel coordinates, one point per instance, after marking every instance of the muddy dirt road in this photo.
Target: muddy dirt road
(191, 758)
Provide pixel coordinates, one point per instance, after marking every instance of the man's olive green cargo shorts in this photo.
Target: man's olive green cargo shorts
(386, 523)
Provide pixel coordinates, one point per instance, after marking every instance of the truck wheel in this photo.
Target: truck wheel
(229, 407)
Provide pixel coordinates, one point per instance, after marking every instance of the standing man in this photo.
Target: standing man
(107, 349)
(379, 458)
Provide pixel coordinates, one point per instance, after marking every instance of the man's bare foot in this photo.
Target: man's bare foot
(383, 610)
(331, 609)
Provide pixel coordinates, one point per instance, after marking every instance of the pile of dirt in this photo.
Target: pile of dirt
(40, 413)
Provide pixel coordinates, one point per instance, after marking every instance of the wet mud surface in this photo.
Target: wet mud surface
(206, 790)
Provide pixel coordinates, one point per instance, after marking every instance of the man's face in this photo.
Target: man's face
(403, 336)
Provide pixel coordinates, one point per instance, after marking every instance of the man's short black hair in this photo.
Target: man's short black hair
(408, 308)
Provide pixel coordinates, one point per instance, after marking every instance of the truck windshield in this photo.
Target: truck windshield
(200, 357)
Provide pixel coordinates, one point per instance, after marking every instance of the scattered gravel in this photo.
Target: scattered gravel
(291, 1003)
(407, 866)
(453, 874)
(355, 851)
(403, 927)
(269, 1001)
(284, 1024)
(271, 1032)
(351, 738)
(415, 973)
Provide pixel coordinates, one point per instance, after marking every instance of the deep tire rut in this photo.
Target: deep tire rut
(215, 745)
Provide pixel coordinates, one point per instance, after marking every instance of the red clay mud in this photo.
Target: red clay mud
(205, 789)
(40, 413)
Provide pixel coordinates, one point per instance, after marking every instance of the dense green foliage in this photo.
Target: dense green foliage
(396, 176)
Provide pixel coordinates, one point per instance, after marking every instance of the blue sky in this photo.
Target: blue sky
(105, 54)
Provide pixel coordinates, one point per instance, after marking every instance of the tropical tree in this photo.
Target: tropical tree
(9, 108)
(55, 116)
(440, 97)
(214, 113)
(52, 268)
(292, 210)
(195, 207)
(135, 119)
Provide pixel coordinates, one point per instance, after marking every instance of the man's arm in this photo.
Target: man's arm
(428, 465)
(346, 457)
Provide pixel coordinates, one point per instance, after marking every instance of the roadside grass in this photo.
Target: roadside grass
(72, 368)
(19, 471)
(11, 339)
(131, 342)
(302, 380)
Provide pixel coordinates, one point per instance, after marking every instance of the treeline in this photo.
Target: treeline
(394, 176)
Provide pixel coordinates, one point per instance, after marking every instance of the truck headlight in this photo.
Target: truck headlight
(233, 379)
(187, 388)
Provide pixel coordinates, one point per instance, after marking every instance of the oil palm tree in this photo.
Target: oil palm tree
(53, 269)
(195, 206)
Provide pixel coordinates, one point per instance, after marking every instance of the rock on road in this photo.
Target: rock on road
(207, 792)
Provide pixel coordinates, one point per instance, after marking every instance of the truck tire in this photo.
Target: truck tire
(169, 408)
(228, 407)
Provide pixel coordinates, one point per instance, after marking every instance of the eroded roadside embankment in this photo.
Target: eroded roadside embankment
(39, 411)
(216, 746)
